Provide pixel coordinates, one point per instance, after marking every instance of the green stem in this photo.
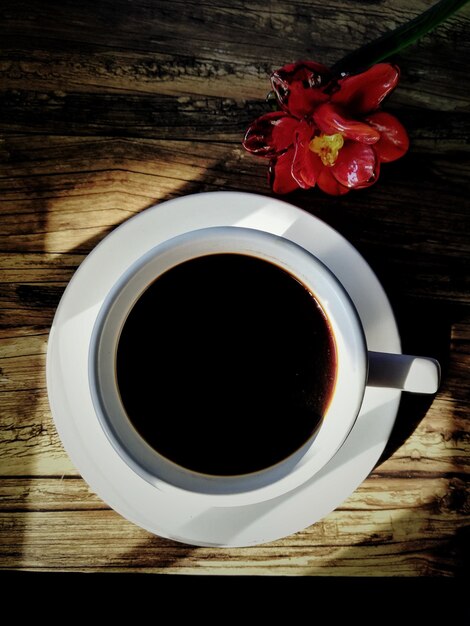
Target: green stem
(397, 39)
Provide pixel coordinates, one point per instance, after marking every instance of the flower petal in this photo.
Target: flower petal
(305, 165)
(355, 165)
(309, 73)
(363, 93)
(270, 134)
(374, 178)
(328, 183)
(299, 86)
(330, 120)
(280, 173)
(394, 140)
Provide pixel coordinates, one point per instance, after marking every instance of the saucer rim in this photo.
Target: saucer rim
(82, 456)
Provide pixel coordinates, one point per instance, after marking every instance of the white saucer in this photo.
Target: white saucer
(72, 408)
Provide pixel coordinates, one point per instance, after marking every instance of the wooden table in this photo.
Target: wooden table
(110, 107)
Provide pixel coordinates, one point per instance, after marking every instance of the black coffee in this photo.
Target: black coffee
(226, 364)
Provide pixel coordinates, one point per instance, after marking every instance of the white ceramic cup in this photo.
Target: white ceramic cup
(356, 367)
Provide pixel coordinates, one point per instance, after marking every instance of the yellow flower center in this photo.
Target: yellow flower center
(327, 147)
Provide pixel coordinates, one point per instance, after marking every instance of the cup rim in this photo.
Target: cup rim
(300, 465)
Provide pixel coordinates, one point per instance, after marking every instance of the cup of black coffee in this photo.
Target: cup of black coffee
(229, 364)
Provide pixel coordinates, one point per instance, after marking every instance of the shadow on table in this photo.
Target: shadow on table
(425, 331)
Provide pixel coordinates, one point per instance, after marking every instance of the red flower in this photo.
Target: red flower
(329, 131)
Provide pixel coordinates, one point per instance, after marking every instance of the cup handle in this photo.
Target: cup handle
(403, 371)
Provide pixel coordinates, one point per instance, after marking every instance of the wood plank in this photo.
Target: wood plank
(38, 268)
(173, 48)
(352, 543)
(29, 305)
(135, 116)
(29, 441)
(47, 494)
(376, 493)
(164, 117)
(201, 78)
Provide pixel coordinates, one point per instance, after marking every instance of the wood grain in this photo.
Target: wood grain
(110, 107)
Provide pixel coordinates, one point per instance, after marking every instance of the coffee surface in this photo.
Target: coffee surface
(226, 364)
